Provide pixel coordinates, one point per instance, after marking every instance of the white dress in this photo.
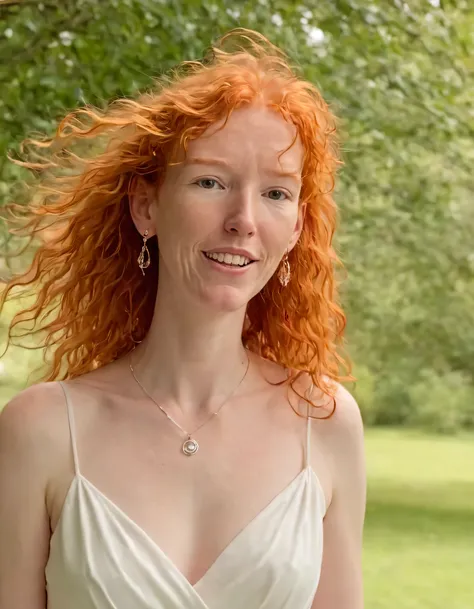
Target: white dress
(101, 559)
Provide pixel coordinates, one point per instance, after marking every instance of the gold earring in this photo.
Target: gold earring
(142, 262)
(284, 272)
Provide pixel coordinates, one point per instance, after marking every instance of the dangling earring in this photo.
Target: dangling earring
(284, 272)
(142, 262)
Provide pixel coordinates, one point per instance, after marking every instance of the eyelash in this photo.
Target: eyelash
(206, 180)
(216, 181)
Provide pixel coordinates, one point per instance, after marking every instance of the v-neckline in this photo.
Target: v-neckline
(79, 478)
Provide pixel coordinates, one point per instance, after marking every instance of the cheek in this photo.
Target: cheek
(277, 228)
(185, 219)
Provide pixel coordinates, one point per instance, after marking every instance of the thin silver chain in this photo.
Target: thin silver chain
(170, 417)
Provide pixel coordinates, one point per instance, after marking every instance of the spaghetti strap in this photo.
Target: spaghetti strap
(308, 429)
(72, 426)
(308, 438)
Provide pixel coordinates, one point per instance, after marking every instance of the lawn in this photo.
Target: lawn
(419, 533)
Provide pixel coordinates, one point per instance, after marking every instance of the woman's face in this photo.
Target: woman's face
(226, 216)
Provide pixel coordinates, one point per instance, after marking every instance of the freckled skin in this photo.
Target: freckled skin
(237, 201)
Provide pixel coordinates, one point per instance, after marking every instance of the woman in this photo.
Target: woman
(199, 448)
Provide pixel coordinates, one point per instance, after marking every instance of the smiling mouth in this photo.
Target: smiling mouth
(229, 260)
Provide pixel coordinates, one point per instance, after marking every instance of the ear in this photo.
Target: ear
(298, 227)
(142, 203)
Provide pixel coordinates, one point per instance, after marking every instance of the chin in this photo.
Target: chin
(226, 299)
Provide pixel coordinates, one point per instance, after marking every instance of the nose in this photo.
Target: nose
(241, 217)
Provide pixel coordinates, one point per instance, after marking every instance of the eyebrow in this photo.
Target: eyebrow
(296, 175)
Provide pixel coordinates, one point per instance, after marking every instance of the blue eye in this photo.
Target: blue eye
(207, 183)
(279, 192)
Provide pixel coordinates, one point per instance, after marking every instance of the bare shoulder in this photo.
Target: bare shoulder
(340, 428)
(346, 420)
(342, 409)
(337, 435)
(32, 448)
(31, 407)
(342, 436)
(31, 425)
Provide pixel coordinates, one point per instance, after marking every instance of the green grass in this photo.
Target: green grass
(419, 532)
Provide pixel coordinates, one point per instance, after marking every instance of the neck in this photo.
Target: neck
(191, 359)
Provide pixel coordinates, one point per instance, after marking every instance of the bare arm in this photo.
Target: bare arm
(25, 459)
(340, 585)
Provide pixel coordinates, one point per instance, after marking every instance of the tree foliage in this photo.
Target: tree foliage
(399, 74)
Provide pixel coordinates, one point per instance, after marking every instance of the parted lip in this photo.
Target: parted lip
(232, 250)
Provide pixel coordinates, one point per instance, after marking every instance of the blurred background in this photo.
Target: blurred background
(400, 77)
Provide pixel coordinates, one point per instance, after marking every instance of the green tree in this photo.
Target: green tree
(400, 77)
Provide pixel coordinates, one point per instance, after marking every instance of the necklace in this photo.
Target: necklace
(190, 445)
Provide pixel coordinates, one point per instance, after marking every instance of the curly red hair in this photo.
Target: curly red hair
(87, 258)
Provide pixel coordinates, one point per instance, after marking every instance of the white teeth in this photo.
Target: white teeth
(231, 259)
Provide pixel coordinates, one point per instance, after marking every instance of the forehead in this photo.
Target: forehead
(252, 137)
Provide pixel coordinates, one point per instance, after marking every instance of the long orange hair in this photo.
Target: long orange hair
(91, 302)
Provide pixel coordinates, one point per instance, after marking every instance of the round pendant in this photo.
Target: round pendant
(190, 447)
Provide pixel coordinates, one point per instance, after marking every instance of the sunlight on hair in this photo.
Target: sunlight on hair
(84, 272)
